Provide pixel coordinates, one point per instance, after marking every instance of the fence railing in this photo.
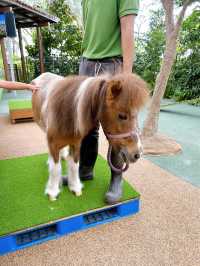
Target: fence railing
(60, 65)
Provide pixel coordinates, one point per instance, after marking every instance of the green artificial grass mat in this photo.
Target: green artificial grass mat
(19, 104)
(24, 204)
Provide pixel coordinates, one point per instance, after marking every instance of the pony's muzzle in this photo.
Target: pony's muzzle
(133, 152)
(133, 157)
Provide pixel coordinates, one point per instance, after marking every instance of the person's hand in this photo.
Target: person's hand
(33, 87)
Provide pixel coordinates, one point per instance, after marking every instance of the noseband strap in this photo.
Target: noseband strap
(115, 169)
(134, 134)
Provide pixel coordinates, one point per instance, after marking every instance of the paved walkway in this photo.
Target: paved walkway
(166, 232)
(182, 123)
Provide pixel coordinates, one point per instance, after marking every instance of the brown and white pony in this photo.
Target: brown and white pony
(68, 108)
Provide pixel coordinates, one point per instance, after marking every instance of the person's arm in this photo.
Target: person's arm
(127, 42)
(11, 85)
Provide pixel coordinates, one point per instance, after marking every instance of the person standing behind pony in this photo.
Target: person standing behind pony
(108, 47)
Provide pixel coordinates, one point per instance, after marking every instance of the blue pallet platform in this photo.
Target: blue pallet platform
(43, 233)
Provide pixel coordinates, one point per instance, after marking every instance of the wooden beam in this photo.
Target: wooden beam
(27, 8)
(30, 24)
(5, 9)
(5, 61)
(22, 54)
(41, 50)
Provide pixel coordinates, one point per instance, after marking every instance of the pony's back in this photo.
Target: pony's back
(47, 82)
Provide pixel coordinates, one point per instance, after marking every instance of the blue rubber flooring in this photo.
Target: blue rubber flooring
(182, 123)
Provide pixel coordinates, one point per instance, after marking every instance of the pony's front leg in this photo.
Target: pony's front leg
(54, 181)
(73, 179)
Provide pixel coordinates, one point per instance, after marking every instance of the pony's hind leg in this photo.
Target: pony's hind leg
(73, 179)
(54, 181)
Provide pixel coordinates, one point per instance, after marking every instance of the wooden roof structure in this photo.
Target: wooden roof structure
(26, 16)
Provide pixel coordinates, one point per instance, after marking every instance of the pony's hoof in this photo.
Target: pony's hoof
(76, 189)
(78, 193)
(52, 194)
(51, 198)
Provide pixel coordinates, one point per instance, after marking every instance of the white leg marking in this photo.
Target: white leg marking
(53, 184)
(74, 183)
(64, 153)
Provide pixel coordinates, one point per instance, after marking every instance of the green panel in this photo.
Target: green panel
(19, 104)
(24, 205)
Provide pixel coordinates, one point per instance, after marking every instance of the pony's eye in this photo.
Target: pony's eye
(122, 117)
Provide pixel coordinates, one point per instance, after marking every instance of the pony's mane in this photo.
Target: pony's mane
(89, 102)
(61, 105)
(76, 104)
(135, 88)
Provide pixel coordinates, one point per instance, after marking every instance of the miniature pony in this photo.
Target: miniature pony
(68, 108)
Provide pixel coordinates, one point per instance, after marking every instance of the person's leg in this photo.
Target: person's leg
(88, 154)
(115, 189)
(89, 145)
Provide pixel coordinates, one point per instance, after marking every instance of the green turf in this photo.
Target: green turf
(18, 104)
(24, 205)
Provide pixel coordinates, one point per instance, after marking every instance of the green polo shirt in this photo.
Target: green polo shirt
(101, 20)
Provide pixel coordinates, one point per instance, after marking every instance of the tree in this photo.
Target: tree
(150, 48)
(173, 27)
(61, 41)
(185, 78)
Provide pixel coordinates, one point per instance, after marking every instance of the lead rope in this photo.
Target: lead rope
(136, 133)
(115, 169)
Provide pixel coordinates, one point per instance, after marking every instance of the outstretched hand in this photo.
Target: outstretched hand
(33, 87)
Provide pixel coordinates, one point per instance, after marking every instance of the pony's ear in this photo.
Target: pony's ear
(114, 89)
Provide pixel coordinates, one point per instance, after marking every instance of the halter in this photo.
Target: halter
(133, 134)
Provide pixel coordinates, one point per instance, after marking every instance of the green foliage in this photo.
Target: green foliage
(61, 41)
(184, 82)
(179, 2)
(195, 101)
(150, 49)
(185, 78)
(1, 64)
